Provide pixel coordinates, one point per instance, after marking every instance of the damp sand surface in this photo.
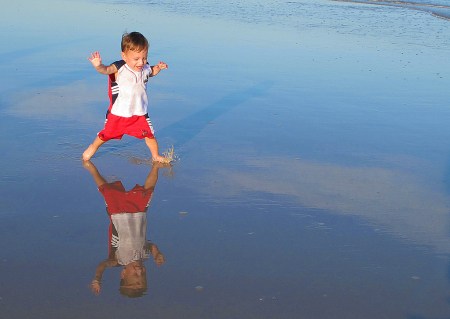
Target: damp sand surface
(312, 173)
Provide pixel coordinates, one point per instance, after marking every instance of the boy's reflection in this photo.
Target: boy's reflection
(128, 246)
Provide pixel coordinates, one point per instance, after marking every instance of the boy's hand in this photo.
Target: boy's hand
(96, 287)
(159, 258)
(158, 67)
(95, 59)
(162, 65)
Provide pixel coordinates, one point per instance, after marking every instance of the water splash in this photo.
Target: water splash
(170, 155)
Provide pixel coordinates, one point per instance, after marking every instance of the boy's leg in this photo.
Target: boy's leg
(90, 151)
(153, 146)
(99, 179)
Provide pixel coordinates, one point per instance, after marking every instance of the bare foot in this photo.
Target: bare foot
(161, 159)
(160, 164)
(89, 166)
(89, 152)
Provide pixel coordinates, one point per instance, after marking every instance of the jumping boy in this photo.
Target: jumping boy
(128, 245)
(127, 113)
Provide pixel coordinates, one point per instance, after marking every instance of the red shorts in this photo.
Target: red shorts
(117, 126)
(118, 200)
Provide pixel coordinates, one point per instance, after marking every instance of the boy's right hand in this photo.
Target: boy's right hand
(95, 59)
(96, 287)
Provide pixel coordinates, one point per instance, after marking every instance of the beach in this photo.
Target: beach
(312, 173)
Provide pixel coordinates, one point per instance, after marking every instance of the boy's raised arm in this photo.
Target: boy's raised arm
(96, 61)
(96, 285)
(157, 68)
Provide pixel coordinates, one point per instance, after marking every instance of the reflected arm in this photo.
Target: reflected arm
(102, 266)
(96, 285)
(157, 255)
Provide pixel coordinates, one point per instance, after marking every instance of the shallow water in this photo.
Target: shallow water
(313, 176)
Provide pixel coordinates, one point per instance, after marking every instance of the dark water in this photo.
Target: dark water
(440, 9)
(275, 10)
(313, 175)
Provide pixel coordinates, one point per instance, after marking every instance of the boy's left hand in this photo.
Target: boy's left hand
(159, 258)
(162, 65)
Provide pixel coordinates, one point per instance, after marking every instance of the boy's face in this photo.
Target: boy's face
(134, 275)
(135, 60)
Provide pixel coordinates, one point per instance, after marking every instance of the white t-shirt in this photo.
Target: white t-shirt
(129, 91)
(131, 230)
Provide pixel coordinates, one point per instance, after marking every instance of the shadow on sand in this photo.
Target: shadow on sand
(184, 130)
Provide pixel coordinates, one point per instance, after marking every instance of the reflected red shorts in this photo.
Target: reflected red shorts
(117, 126)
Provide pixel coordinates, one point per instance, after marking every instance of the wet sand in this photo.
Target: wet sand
(313, 174)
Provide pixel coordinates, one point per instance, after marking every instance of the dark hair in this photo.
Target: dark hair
(134, 41)
(131, 292)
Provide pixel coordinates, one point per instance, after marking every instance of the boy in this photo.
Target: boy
(127, 113)
(128, 246)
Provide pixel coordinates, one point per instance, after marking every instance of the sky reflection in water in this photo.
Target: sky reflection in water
(314, 163)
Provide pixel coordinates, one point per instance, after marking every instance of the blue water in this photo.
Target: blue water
(439, 9)
(277, 11)
(314, 160)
